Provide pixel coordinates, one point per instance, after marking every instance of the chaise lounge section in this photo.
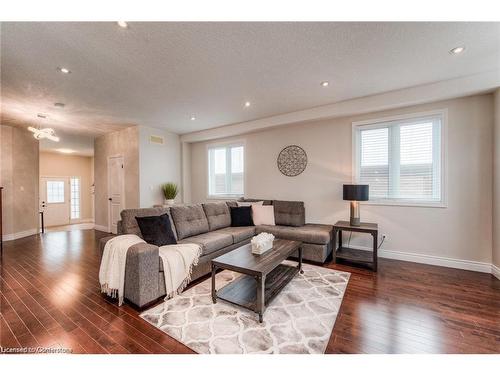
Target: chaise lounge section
(209, 225)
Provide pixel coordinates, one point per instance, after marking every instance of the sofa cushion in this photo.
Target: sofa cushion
(310, 233)
(246, 204)
(266, 202)
(211, 241)
(290, 213)
(156, 230)
(241, 216)
(263, 215)
(129, 224)
(218, 215)
(189, 220)
(239, 233)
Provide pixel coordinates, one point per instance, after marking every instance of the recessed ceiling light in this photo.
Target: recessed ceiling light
(122, 24)
(58, 104)
(65, 150)
(325, 83)
(193, 118)
(64, 70)
(457, 50)
(247, 104)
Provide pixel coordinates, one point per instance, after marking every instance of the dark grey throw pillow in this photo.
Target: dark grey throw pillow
(241, 216)
(156, 230)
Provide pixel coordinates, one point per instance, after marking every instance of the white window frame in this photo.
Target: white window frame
(47, 191)
(376, 123)
(228, 144)
(79, 198)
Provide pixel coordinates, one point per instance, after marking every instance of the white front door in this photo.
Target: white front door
(55, 200)
(115, 191)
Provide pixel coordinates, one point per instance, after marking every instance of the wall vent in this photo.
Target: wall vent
(156, 139)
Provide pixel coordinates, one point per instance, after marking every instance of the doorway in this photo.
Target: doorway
(66, 187)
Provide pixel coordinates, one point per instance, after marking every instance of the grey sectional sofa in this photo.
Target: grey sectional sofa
(209, 225)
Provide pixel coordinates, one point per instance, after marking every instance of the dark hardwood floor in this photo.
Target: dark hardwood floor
(50, 297)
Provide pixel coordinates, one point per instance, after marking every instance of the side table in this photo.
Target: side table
(353, 255)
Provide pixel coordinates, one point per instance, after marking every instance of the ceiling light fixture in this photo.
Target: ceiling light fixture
(47, 133)
(122, 24)
(64, 70)
(41, 115)
(247, 104)
(457, 50)
(325, 83)
(58, 104)
(193, 118)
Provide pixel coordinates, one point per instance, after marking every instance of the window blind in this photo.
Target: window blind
(226, 170)
(401, 160)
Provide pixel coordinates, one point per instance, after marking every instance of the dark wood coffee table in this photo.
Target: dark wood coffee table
(264, 276)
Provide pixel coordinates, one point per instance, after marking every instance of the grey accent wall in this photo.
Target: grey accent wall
(19, 177)
(462, 231)
(123, 142)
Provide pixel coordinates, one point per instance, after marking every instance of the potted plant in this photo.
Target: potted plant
(170, 191)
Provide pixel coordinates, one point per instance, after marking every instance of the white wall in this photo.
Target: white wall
(496, 185)
(462, 231)
(158, 164)
(186, 172)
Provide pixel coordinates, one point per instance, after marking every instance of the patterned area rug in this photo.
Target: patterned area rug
(299, 320)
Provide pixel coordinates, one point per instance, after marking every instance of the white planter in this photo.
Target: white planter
(169, 202)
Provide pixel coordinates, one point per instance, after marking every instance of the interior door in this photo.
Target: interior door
(115, 191)
(55, 200)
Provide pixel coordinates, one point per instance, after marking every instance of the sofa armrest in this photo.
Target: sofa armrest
(102, 243)
(142, 274)
(119, 227)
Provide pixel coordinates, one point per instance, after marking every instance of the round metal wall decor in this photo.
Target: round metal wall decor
(292, 160)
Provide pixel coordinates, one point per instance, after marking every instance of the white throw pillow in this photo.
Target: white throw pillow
(263, 215)
(246, 204)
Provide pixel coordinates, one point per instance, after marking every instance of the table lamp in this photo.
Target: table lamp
(355, 194)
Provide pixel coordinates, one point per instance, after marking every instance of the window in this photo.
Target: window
(75, 197)
(55, 191)
(401, 159)
(225, 170)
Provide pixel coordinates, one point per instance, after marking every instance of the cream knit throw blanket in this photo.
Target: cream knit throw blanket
(178, 261)
(112, 271)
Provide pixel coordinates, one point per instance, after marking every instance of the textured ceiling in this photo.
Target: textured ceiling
(160, 74)
(78, 144)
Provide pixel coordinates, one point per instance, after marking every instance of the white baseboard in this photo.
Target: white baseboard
(15, 236)
(469, 265)
(82, 221)
(102, 228)
(462, 264)
(495, 271)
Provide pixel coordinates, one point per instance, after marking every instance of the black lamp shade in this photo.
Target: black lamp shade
(355, 192)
